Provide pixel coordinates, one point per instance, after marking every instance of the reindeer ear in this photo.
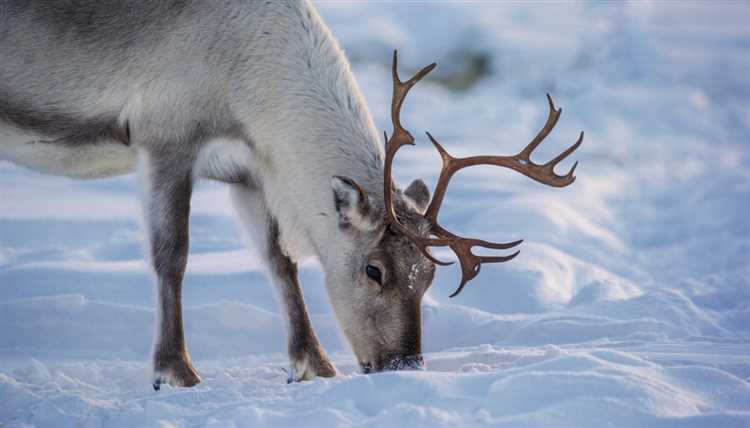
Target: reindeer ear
(419, 194)
(351, 203)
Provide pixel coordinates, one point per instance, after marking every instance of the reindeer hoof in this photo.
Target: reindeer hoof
(309, 365)
(175, 371)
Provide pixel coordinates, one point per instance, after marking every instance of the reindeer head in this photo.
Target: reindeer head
(389, 241)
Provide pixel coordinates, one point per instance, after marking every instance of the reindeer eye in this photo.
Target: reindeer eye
(374, 273)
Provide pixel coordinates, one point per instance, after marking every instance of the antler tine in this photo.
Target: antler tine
(400, 90)
(400, 135)
(551, 164)
(552, 118)
(471, 264)
(443, 233)
(545, 173)
(399, 138)
(442, 184)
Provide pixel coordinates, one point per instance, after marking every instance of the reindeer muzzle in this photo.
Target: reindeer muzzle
(409, 362)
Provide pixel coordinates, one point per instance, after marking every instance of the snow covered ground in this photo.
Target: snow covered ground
(628, 306)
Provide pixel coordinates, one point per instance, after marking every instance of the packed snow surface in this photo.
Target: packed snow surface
(629, 305)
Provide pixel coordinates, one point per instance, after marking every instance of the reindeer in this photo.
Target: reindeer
(257, 95)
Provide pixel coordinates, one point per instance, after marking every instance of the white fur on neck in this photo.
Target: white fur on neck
(313, 124)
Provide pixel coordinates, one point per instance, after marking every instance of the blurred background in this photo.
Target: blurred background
(647, 254)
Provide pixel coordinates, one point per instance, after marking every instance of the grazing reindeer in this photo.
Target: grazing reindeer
(257, 95)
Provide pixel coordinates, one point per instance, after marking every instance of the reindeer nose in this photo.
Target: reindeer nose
(411, 362)
(408, 362)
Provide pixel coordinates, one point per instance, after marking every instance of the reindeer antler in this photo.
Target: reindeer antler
(521, 162)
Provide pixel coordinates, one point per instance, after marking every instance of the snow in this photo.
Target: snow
(629, 304)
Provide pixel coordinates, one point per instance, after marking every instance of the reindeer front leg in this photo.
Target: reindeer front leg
(168, 187)
(306, 357)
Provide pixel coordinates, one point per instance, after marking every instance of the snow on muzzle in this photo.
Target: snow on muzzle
(409, 362)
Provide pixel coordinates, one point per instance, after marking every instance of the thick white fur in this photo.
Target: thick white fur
(223, 157)
(85, 161)
(312, 125)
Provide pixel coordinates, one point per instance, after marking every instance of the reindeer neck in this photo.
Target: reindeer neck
(309, 121)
